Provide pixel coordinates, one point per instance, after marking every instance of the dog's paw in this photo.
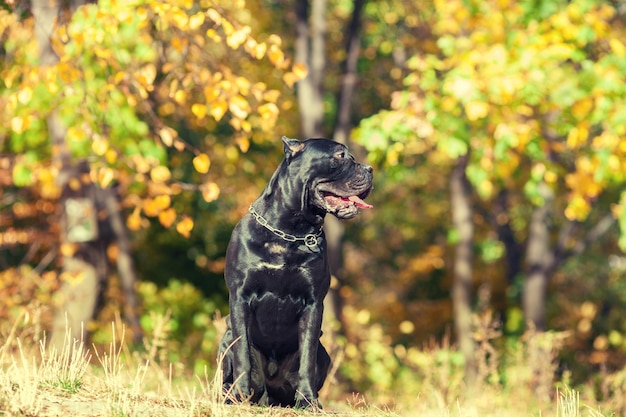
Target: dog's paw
(309, 403)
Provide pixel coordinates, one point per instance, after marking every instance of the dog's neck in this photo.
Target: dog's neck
(309, 242)
(283, 211)
(279, 214)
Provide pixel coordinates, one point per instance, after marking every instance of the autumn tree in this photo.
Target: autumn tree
(529, 93)
(311, 51)
(118, 86)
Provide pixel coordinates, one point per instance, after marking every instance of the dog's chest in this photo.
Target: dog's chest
(274, 282)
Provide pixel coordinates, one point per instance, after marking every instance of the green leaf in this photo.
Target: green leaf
(447, 45)
(476, 174)
(491, 250)
(622, 222)
(150, 149)
(22, 175)
(453, 236)
(452, 146)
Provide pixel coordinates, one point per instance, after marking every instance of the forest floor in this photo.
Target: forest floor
(77, 382)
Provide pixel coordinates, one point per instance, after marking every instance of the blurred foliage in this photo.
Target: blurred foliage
(190, 336)
(137, 85)
(180, 105)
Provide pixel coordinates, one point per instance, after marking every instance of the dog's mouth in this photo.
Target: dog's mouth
(344, 206)
(336, 201)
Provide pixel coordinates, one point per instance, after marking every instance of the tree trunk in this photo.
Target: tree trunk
(539, 257)
(310, 49)
(462, 286)
(78, 293)
(513, 250)
(343, 127)
(341, 133)
(125, 267)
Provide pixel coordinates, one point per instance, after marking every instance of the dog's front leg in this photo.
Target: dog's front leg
(239, 316)
(309, 334)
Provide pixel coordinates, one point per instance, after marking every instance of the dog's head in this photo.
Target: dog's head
(332, 181)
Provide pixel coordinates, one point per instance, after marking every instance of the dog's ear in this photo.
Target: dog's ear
(292, 147)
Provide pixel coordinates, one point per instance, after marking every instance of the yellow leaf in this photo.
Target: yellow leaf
(110, 155)
(268, 110)
(147, 74)
(235, 123)
(300, 70)
(210, 93)
(581, 108)
(180, 96)
(271, 96)
(239, 107)
(476, 110)
(448, 103)
(167, 217)
(259, 50)
(460, 87)
(196, 21)
(228, 27)
(119, 77)
(244, 143)
(214, 15)
(133, 222)
(210, 191)
(578, 135)
(577, 209)
(17, 124)
(167, 135)
(225, 85)
(199, 110)
(75, 133)
(238, 37)
(74, 184)
(218, 109)
(551, 177)
(179, 43)
(68, 249)
(150, 207)
(202, 163)
(276, 56)
(212, 34)
(103, 53)
(160, 174)
(179, 145)
(243, 84)
(290, 79)
(275, 39)
(617, 47)
(163, 201)
(141, 165)
(184, 226)
(180, 18)
(258, 89)
(105, 176)
(24, 95)
(99, 146)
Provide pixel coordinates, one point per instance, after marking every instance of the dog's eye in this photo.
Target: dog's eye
(341, 154)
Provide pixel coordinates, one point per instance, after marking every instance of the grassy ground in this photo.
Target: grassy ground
(79, 381)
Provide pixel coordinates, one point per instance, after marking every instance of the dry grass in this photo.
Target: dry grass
(76, 381)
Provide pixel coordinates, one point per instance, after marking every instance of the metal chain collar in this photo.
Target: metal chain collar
(310, 240)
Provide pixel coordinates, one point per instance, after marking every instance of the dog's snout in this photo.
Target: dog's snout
(368, 168)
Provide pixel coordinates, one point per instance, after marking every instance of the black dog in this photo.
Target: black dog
(277, 275)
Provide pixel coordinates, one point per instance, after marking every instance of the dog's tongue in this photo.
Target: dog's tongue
(359, 202)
